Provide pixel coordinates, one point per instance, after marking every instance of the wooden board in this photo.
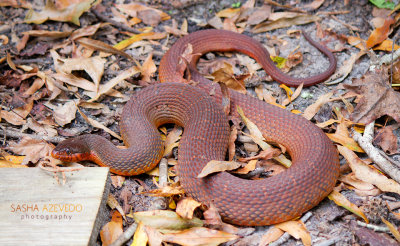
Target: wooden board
(36, 210)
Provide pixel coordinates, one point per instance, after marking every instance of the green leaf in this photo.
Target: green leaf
(383, 4)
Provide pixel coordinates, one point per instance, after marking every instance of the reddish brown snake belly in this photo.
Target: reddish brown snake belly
(279, 198)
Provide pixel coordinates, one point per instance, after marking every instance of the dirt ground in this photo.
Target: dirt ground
(329, 223)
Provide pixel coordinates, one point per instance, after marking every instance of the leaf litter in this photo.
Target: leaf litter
(99, 62)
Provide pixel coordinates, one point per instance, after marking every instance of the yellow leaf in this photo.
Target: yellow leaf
(392, 229)
(228, 13)
(342, 201)
(345, 141)
(140, 237)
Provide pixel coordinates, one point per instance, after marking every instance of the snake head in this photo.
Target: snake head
(72, 150)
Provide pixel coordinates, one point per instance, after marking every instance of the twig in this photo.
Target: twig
(125, 236)
(391, 160)
(114, 23)
(329, 242)
(386, 59)
(365, 143)
(286, 235)
(163, 172)
(373, 227)
(18, 135)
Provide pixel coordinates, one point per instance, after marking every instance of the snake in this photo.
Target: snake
(197, 108)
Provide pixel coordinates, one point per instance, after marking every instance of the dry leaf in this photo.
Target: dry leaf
(258, 138)
(387, 139)
(101, 46)
(172, 140)
(314, 4)
(365, 173)
(214, 166)
(296, 229)
(12, 118)
(315, 107)
(33, 149)
(381, 33)
(51, 12)
(140, 237)
(342, 201)
(393, 229)
(285, 22)
(271, 235)
(148, 68)
(198, 236)
(65, 113)
(112, 230)
(248, 168)
(377, 98)
(97, 124)
(164, 219)
(226, 76)
(186, 207)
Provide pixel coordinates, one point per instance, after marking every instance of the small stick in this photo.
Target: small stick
(125, 236)
(365, 142)
(329, 242)
(373, 227)
(16, 134)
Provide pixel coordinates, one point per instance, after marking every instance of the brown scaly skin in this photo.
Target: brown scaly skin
(282, 197)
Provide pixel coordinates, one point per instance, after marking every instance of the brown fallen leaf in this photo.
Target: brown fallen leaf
(226, 75)
(377, 98)
(314, 4)
(198, 236)
(12, 118)
(148, 68)
(380, 33)
(259, 15)
(51, 12)
(271, 235)
(311, 110)
(133, 9)
(299, 19)
(214, 166)
(186, 207)
(112, 230)
(296, 229)
(365, 173)
(33, 149)
(101, 46)
(172, 140)
(248, 168)
(387, 139)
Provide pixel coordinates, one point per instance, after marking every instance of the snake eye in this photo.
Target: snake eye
(68, 151)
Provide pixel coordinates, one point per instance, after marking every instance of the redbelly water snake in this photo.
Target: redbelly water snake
(279, 198)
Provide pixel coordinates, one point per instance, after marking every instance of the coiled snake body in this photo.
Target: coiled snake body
(279, 198)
